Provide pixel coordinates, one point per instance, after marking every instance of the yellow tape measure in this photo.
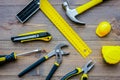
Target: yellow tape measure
(64, 28)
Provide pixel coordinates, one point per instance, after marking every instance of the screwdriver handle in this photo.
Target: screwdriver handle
(2, 55)
(72, 73)
(13, 55)
(8, 58)
(34, 65)
(84, 77)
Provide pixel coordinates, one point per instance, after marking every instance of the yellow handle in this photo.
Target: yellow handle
(8, 58)
(2, 59)
(84, 77)
(57, 64)
(34, 32)
(88, 5)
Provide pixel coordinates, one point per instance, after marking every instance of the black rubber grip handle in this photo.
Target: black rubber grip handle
(28, 11)
(7, 58)
(70, 74)
(85, 78)
(105, 0)
(3, 55)
(32, 66)
(54, 68)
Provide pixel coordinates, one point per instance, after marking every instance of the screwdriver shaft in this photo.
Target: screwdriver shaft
(21, 54)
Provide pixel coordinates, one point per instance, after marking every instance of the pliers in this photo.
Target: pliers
(56, 64)
(56, 52)
(78, 70)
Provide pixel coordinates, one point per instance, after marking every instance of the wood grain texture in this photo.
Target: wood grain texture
(9, 26)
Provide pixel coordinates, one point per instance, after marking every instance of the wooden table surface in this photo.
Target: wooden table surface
(9, 26)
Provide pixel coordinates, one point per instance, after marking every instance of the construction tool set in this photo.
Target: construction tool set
(111, 54)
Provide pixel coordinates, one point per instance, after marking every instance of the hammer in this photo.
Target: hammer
(72, 13)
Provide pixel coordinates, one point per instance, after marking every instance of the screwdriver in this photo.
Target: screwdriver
(13, 56)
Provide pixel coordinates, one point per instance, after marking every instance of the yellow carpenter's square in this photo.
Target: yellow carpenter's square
(72, 13)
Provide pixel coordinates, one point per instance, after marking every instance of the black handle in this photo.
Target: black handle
(70, 74)
(7, 58)
(28, 11)
(32, 67)
(54, 68)
(3, 55)
(105, 0)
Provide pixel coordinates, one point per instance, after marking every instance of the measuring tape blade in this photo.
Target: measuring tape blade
(64, 28)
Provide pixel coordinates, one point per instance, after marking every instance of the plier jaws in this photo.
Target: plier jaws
(57, 49)
(58, 57)
(88, 66)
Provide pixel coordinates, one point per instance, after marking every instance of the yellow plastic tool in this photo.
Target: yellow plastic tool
(103, 29)
(88, 5)
(64, 28)
(30, 36)
(111, 54)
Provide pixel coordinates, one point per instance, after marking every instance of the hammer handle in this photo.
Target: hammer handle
(87, 6)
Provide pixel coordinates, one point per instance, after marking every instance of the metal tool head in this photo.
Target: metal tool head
(58, 56)
(57, 49)
(88, 66)
(60, 46)
(71, 13)
(29, 52)
(60, 52)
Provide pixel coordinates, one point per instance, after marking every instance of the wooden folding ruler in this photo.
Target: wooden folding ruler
(58, 21)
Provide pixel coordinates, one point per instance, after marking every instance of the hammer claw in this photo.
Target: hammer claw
(71, 13)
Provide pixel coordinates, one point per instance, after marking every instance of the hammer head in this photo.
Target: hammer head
(71, 13)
